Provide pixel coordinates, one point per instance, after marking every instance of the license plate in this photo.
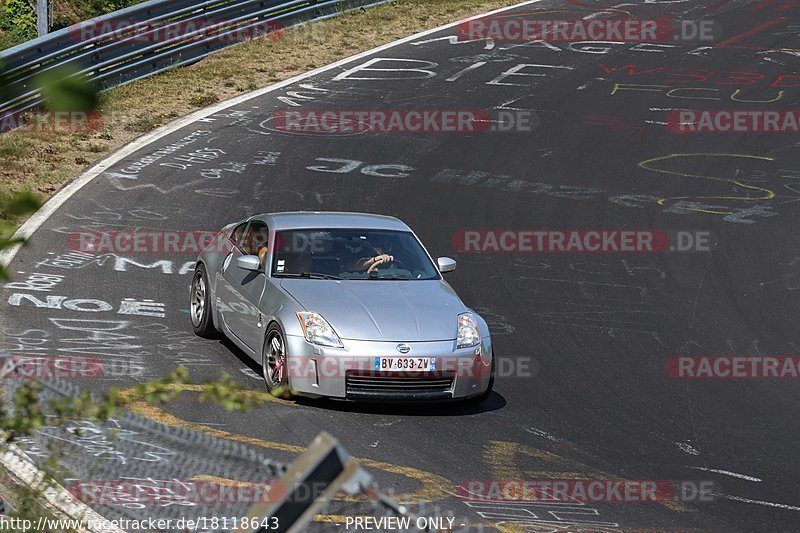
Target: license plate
(405, 364)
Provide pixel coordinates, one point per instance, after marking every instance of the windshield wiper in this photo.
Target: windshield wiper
(307, 275)
(390, 277)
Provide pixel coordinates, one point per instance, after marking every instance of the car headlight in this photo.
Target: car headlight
(468, 334)
(317, 330)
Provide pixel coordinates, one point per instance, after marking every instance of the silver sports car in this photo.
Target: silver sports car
(341, 305)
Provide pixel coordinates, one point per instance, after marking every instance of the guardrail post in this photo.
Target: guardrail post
(311, 481)
(43, 17)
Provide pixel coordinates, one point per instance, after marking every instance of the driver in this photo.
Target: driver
(364, 255)
(259, 240)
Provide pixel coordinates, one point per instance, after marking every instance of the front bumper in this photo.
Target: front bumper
(349, 372)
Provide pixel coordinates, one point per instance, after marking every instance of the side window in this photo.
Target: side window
(255, 238)
(236, 234)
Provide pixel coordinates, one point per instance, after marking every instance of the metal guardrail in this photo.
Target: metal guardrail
(114, 56)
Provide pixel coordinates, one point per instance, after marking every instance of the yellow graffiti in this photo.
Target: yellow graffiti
(502, 460)
(637, 87)
(766, 194)
(733, 97)
(673, 92)
(434, 488)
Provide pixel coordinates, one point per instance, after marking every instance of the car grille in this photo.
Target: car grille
(398, 385)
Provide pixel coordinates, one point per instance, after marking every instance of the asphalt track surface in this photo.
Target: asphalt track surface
(595, 329)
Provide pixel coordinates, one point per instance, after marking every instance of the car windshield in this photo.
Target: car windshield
(351, 254)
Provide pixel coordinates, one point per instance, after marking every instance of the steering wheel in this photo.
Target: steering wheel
(374, 265)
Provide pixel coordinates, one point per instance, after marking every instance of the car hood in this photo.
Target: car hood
(401, 311)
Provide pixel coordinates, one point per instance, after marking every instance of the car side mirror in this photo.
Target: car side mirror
(248, 262)
(446, 264)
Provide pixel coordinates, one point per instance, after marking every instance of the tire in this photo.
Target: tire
(476, 400)
(200, 307)
(274, 366)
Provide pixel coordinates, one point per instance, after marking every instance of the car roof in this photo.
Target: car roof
(329, 219)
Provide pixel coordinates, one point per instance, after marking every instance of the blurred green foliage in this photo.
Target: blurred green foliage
(28, 411)
(67, 91)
